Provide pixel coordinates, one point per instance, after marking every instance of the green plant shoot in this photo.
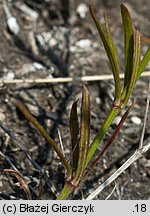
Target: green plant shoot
(82, 152)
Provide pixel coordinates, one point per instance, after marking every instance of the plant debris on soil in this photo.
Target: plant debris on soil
(57, 38)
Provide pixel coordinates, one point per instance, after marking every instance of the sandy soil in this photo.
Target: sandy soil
(57, 41)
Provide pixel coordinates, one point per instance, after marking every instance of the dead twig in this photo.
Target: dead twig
(138, 153)
(65, 79)
(145, 117)
(21, 180)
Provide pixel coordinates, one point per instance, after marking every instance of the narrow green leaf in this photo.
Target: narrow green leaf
(42, 131)
(144, 62)
(115, 60)
(74, 132)
(111, 52)
(84, 134)
(131, 83)
(128, 43)
(111, 42)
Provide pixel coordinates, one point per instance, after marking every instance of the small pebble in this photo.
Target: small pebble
(2, 117)
(33, 109)
(38, 66)
(53, 42)
(32, 43)
(84, 43)
(98, 100)
(27, 10)
(82, 9)
(9, 76)
(11, 20)
(136, 120)
(117, 120)
(13, 25)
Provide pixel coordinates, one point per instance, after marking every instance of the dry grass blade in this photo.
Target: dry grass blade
(22, 181)
(66, 79)
(138, 153)
(145, 117)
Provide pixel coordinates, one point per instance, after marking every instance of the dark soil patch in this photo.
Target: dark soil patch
(50, 46)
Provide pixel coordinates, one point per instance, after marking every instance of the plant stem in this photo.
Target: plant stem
(109, 143)
(104, 128)
(66, 191)
(68, 188)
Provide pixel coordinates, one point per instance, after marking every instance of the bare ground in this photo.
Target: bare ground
(50, 44)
